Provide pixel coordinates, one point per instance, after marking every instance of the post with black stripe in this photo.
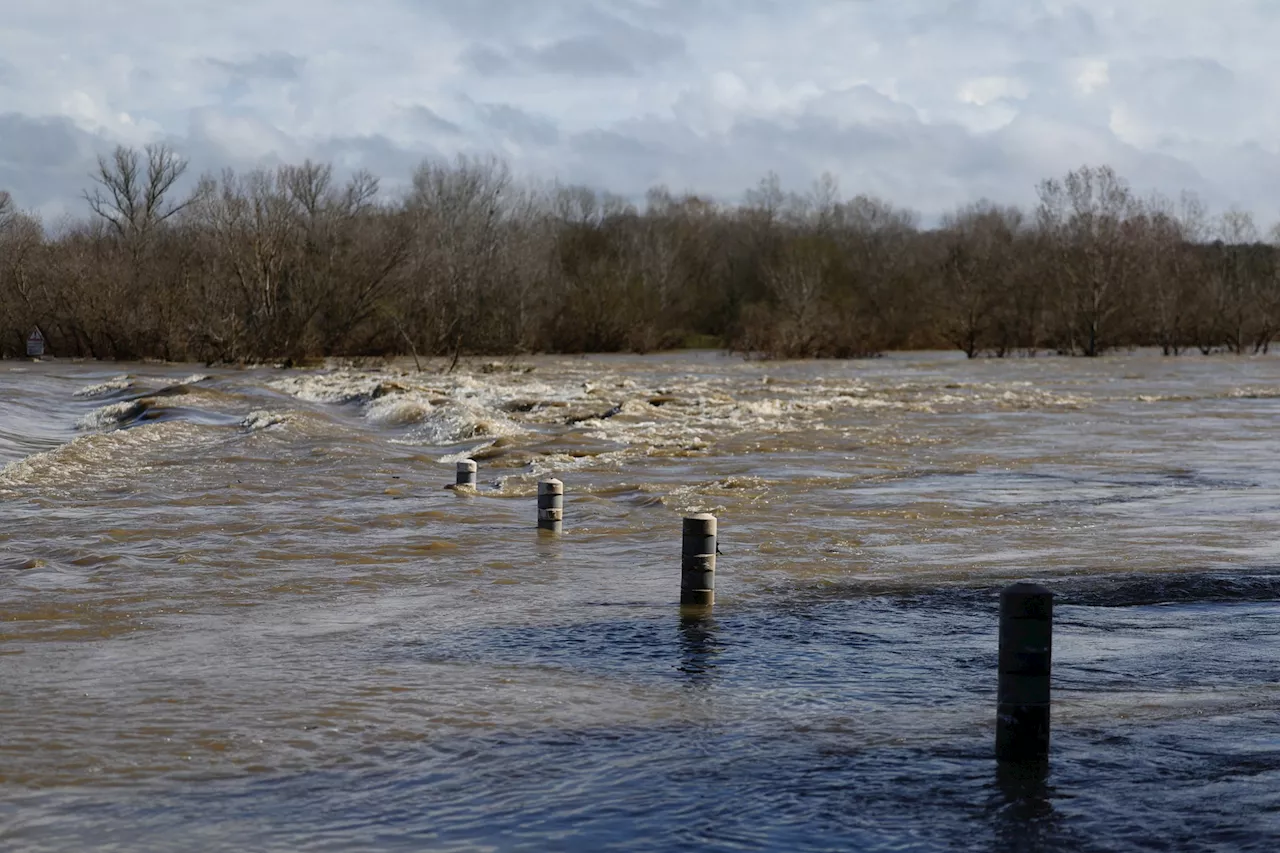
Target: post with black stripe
(550, 505)
(1026, 647)
(466, 473)
(698, 561)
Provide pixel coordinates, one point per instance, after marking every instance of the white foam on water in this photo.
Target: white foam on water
(336, 387)
(105, 459)
(872, 403)
(111, 416)
(556, 463)
(463, 421)
(262, 419)
(398, 410)
(766, 408)
(1253, 393)
(459, 455)
(695, 411)
(539, 390)
(447, 410)
(102, 389)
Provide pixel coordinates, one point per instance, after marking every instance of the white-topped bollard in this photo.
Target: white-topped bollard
(550, 505)
(466, 473)
(1026, 657)
(698, 561)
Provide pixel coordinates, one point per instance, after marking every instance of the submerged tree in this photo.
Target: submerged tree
(298, 261)
(981, 265)
(1087, 220)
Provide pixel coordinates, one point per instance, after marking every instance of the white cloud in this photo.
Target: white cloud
(932, 103)
(984, 90)
(1094, 75)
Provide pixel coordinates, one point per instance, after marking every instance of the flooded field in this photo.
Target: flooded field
(238, 609)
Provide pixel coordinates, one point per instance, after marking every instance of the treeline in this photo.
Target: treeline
(292, 263)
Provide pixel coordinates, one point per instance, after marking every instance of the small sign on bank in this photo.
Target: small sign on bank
(35, 344)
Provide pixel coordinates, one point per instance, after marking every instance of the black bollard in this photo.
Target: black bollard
(698, 561)
(550, 505)
(466, 473)
(1026, 647)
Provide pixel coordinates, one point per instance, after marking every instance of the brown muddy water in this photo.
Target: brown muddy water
(239, 611)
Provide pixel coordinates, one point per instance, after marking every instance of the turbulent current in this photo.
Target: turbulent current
(240, 610)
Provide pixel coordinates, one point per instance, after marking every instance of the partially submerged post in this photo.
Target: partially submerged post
(550, 505)
(698, 561)
(1026, 646)
(466, 473)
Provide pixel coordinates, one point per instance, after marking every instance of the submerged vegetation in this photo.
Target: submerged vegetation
(292, 263)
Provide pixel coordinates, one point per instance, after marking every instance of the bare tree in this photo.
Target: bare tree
(1169, 273)
(1241, 268)
(298, 261)
(797, 283)
(1086, 220)
(461, 213)
(980, 256)
(134, 191)
(21, 240)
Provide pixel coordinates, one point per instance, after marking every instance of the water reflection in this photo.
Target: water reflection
(1024, 817)
(548, 544)
(699, 646)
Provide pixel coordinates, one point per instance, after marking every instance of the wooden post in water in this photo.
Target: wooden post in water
(550, 505)
(1026, 647)
(698, 561)
(466, 473)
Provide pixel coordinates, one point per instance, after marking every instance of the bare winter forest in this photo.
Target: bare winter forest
(292, 263)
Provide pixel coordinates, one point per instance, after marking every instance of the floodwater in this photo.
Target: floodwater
(240, 611)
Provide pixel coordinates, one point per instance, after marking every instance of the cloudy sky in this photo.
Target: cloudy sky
(928, 103)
